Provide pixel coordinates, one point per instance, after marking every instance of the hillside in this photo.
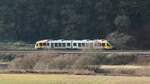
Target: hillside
(31, 20)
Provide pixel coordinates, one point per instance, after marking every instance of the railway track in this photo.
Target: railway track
(126, 52)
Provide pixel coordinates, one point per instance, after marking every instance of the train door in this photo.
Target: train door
(52, 45)
(90, 45)
(63, 45)
(68, 45)
(80, 45)
(74, 45)
(98, 45)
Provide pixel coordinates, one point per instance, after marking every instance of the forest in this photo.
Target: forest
(125, 22)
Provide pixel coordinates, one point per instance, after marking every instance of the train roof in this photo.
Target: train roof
(41, 41)
(62, 40)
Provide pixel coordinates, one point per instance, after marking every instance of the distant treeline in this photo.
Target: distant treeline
(31, 20)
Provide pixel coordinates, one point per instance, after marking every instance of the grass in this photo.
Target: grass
(69, 79)
(124, 67)
(16, 46)
(127, 69)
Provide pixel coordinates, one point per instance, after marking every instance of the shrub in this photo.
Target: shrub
(6, 57)
(121, 40)
(142, 60)
(62, 62)
(84, 61)
(119, 59)
(42, 63)
(26, 62)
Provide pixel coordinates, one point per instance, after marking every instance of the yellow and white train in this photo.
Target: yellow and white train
(73, 44)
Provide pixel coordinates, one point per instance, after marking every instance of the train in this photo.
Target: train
(73, 44)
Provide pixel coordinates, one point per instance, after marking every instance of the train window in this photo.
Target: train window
(103, 44)
(47, 44)
(79, 44)
(83, 44)
(59, 44)
(36, 44)
(63, 44)
(87, 45)
(68, 44)
(44, 44)
(52, 44)
(108, 44)
(74, 44)
(40, 44)
(56, 44)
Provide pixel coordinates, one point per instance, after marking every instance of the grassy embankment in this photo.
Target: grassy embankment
(45, 62)
(16, 46)
(69, 79)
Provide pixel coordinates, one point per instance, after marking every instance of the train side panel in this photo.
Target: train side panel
(73, 44)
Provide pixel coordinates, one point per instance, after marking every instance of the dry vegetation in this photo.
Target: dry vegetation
(45, 62)
(20, 45)
(74, 63)
(69, 79)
